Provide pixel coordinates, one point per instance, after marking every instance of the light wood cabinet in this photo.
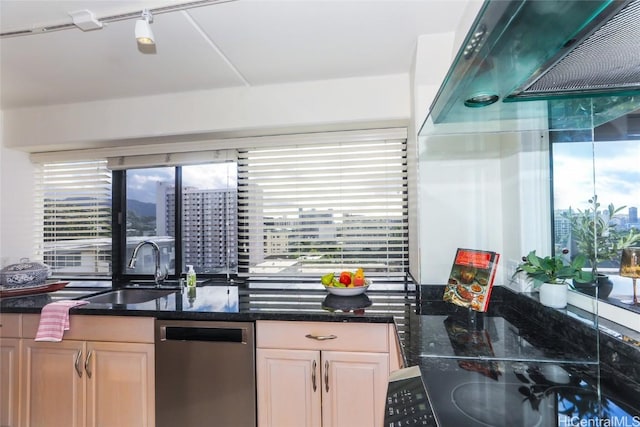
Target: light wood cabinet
(120, 390)
(53, 392)
(9, 369)
(81, 382)
(354, 388)
(322, 374)
(288, 384)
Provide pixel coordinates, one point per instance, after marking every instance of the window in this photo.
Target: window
(298, 205)
(209, 232)
(192, 204)
(310, 209)
(73, 214)
(605, 164)
(150, 215)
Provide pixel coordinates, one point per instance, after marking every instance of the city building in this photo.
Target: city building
(209, 225)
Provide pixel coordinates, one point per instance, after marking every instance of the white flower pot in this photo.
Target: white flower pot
(554, 295)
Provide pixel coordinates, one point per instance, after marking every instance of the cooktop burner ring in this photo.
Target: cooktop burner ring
(474, 400)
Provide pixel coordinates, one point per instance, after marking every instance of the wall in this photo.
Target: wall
(16, 206)
(434, 53)
(1, 181)
(321, 105)
(460, 179)
(485, 191)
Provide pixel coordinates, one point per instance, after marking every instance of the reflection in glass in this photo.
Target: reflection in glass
(595, 198)
(630, 267)
(149, 216)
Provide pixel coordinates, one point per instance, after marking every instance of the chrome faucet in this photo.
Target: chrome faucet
(159, 274)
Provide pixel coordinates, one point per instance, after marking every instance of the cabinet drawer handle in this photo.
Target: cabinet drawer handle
(313, 375)
(326, 376)
(76, 364)
(87, 365)
(321, 337)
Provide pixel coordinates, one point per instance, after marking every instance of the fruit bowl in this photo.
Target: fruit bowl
(346, 292)
(347, 283)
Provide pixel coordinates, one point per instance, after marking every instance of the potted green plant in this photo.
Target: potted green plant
(550, 275)
(598, 238)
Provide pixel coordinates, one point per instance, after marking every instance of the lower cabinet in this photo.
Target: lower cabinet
(53, 392)
(289, 388)
(355, 384)
(9, 377)
(9, 369)
(77, 383)
(120, 384)
(321, 374)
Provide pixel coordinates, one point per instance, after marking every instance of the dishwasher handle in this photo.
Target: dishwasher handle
(205, 334)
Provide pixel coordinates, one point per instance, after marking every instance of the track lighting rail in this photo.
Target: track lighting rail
(114, 18)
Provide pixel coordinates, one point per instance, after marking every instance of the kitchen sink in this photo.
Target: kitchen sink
(129, 296)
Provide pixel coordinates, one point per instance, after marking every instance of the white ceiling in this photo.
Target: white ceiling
(236, 43)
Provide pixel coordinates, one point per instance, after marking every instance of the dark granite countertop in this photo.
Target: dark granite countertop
(235, 303)
(520, 364)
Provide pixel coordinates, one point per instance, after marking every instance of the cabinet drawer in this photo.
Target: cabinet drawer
(99, 328)
(371, 337)
(10, 325)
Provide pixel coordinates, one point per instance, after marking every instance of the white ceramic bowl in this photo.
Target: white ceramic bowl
(346, 292)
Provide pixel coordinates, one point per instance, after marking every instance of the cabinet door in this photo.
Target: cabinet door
(52, 386)
(120, 384)
(9, 376)
(354, 387)
(288, 383)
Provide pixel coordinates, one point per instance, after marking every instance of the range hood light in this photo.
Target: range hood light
(481, 100)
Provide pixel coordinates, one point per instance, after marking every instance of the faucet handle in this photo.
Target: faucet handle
(161, 274)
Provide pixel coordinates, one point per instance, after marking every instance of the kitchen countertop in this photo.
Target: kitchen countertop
(498, 368)
(235, 303)
(519, 365)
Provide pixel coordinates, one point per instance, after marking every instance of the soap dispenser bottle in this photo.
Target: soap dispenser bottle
(191, 277)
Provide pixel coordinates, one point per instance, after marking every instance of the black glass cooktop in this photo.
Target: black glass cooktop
(498, 393)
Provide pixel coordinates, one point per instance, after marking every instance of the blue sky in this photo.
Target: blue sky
(617, 173)
(141, 185)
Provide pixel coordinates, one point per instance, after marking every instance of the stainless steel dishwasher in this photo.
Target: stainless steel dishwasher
(205, 374)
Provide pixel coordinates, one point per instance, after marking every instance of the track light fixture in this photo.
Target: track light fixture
(144, 35)
(86, 20)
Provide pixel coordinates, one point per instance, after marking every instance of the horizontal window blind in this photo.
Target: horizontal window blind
(311, 209)
(73, 217)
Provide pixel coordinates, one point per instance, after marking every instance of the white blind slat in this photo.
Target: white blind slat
(324, 206)
(73, 215)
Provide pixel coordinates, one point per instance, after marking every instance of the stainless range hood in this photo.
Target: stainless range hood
(542, 52)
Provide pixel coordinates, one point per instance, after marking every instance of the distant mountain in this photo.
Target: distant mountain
(141, 208)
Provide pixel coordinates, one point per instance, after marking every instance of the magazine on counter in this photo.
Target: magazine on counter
(471, 278)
